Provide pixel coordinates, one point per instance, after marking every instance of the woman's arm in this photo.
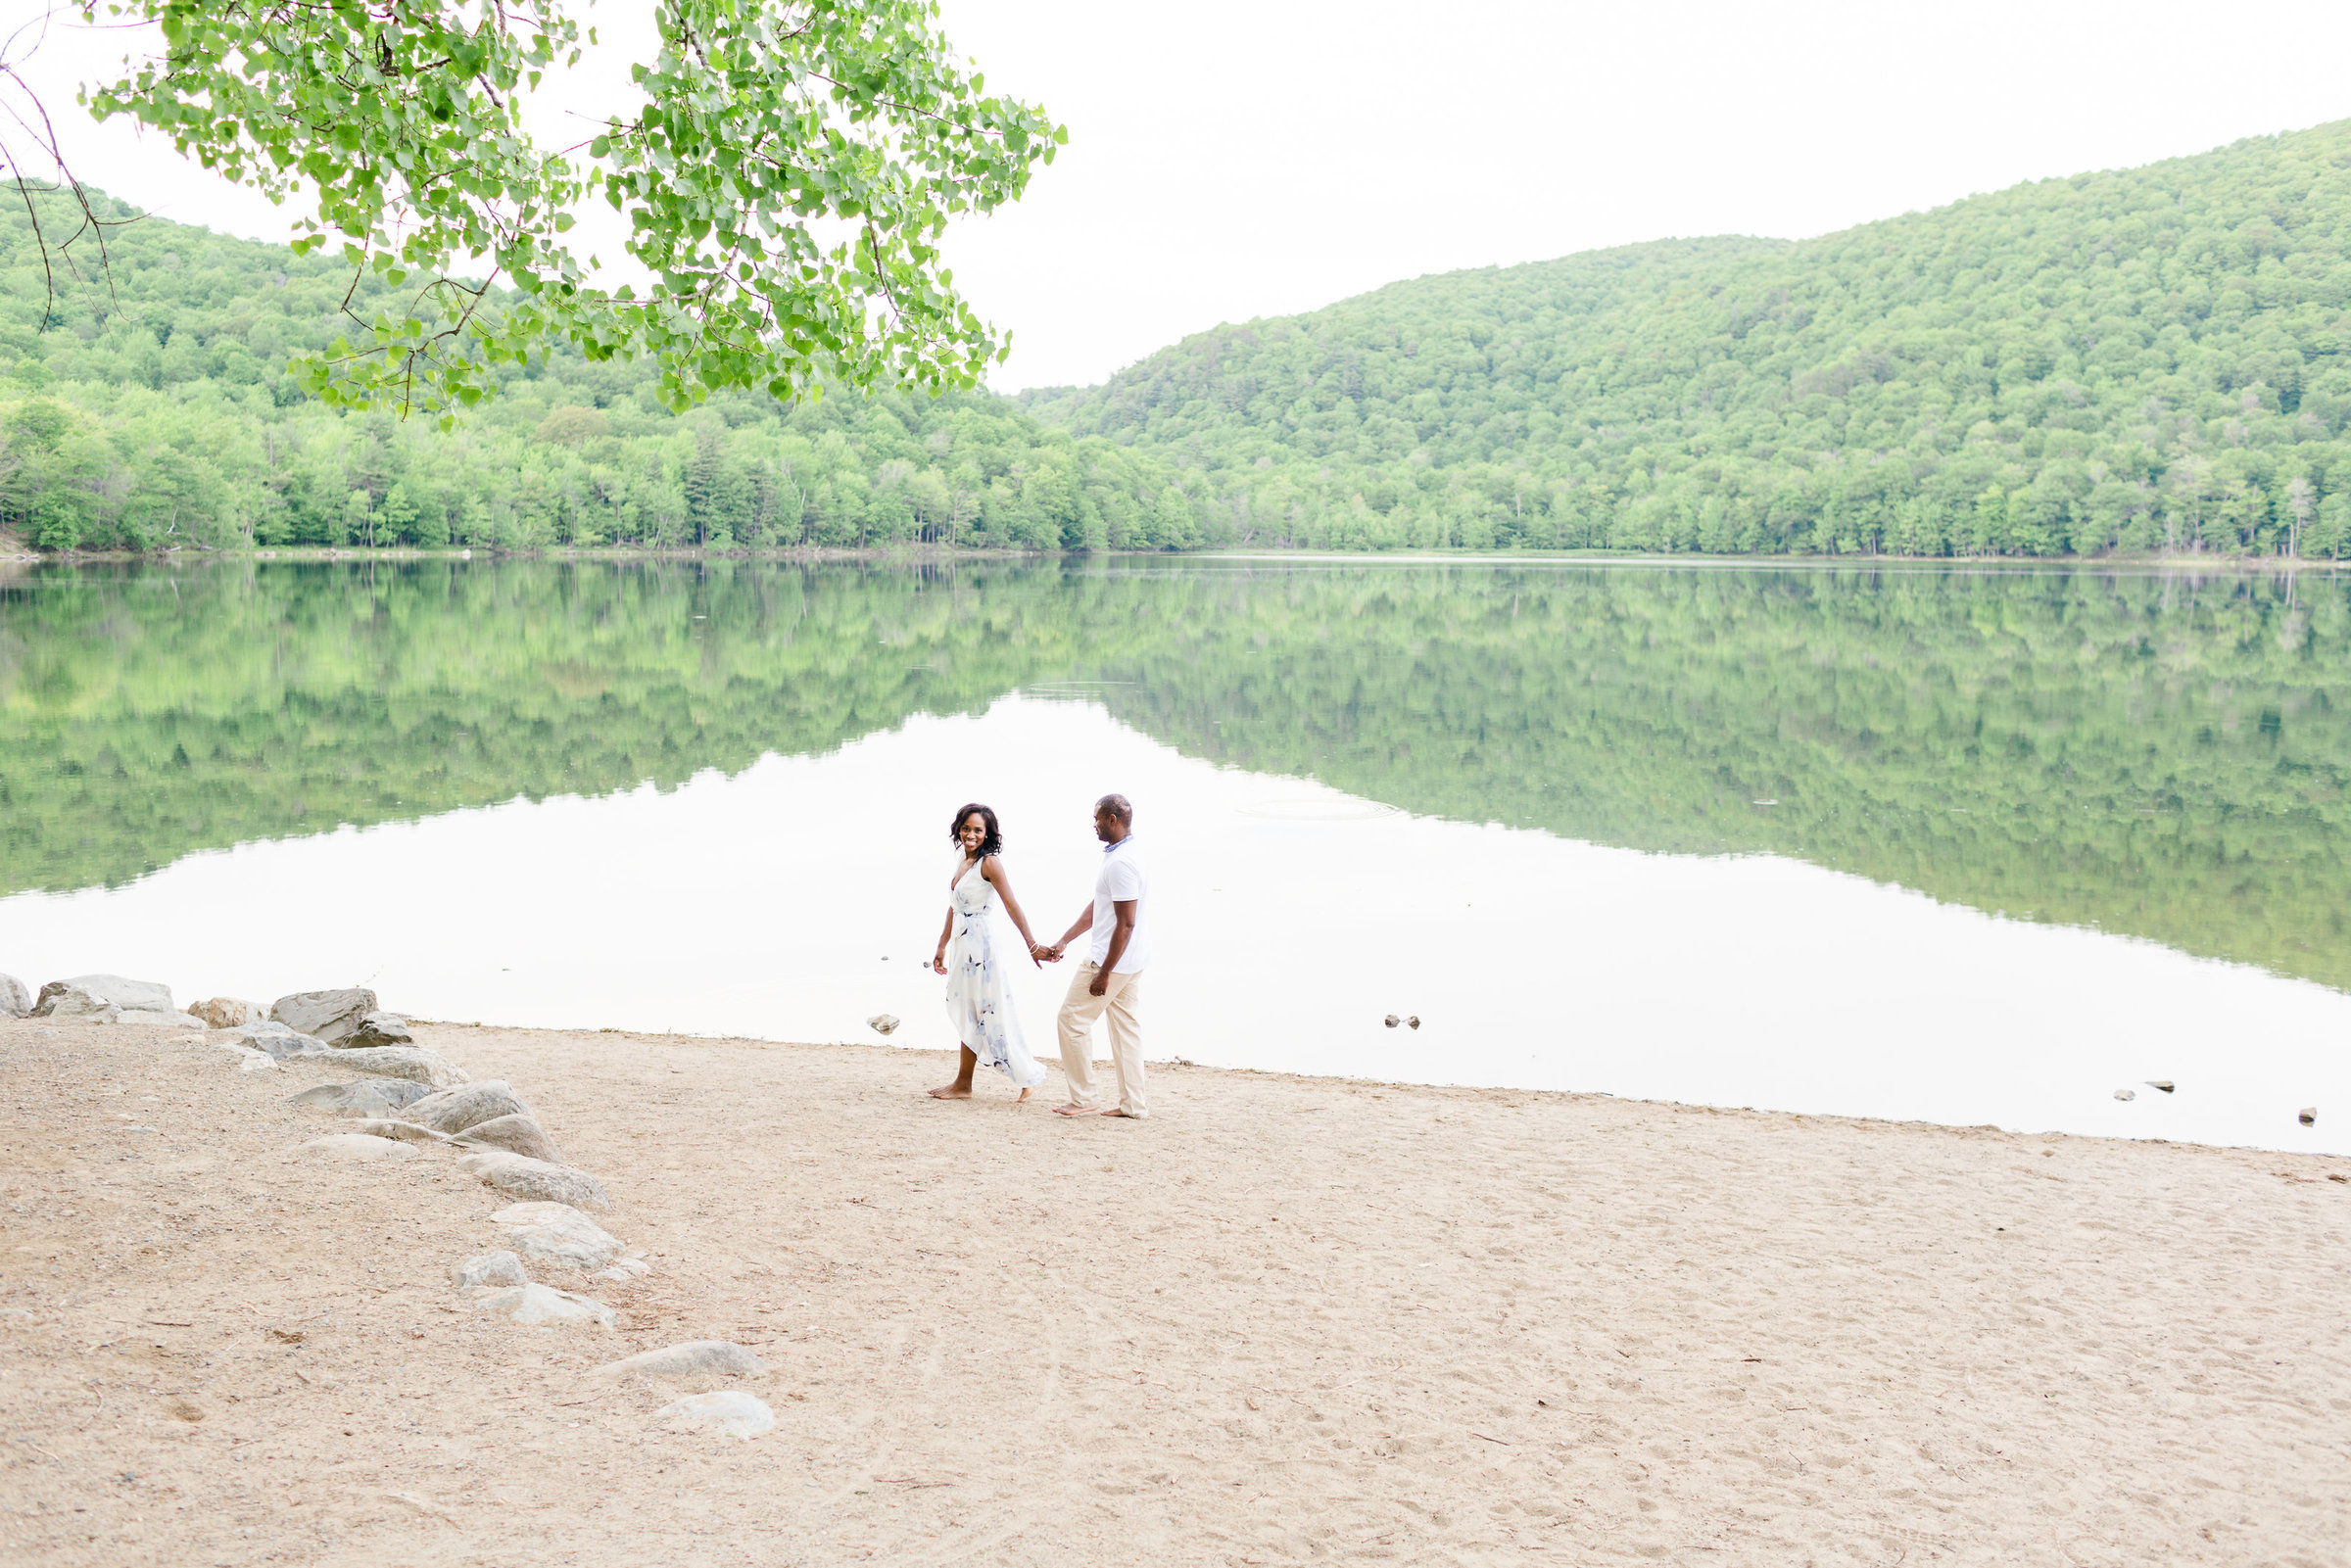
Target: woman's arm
(938, 960)
(993, 870)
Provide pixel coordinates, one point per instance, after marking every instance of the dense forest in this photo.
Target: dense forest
(149, 406)
(2150, 360)
(2154, 360)
(2148, 754)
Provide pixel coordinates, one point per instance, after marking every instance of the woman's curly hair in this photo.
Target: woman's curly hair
(993, 843)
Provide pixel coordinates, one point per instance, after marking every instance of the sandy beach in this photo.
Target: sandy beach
(1284, 1320)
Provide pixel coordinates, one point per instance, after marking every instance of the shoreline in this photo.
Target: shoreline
(1285, 1318)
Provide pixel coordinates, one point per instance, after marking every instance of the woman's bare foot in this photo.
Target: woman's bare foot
(950, 1092)
(1023, 1098)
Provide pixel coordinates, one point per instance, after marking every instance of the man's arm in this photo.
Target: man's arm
(1120, 931)
(1085, 922)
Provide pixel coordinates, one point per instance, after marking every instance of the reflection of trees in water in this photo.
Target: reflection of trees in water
(2156, 755)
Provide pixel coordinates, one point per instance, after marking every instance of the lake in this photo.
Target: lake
(1962, 845)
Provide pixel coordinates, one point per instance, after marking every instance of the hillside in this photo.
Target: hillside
(2151, 360)
(154, 410)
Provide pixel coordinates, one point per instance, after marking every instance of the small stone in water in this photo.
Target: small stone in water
(1413, 1022)
(2125, 1094)
(1393, 1020)
(2165, 1084)
(884, 1024)
(2309, 1117)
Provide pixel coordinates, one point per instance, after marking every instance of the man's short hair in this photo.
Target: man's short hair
(1118, 806)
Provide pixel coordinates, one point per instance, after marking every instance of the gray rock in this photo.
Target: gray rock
(718, 1358)
(328, 1014)
(380, 1028)
(274, 1038)
(521, 1177)
(356, 1146)
(544, 1306)
(456, 1110)
(145, 1016)
(2125, 1094)
(557, 1232)
(629, 1265)
(2308, 1115)
(489, 1268)
(376, 1097)
(515, 1134)
(400, 1132)
(731, 1410)
(247, 1058)
(883, 1023)
(229, 1013)
(16, 1000)
(86, 994)
(402, 1062)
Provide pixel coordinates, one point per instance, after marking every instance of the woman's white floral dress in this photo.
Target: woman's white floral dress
(976, 1002)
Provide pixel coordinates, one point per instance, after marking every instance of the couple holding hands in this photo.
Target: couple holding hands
(1110, 981)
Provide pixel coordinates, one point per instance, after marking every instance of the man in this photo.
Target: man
(1111, 980)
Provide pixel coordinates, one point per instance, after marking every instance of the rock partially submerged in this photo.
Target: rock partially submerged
(380, 1028)
(515, 1134)
(521, 1177)
(411, 1061)
(715, 1358)
(732, 1411)
(329, 1016)
(356, 1146)
(229, 1013)
(489, 1268)
(544, 1306)
(557, 1232)
(376, 1097)
(16, 998)
(459, 1109)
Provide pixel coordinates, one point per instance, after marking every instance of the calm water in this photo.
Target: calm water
(1962, 846)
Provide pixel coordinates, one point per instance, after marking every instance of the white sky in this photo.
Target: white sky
(1231, 160)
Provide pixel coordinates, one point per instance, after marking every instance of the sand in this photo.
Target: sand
(1286, 1319)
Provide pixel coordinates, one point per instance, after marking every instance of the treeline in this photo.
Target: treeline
(2146, 754)
(2157, 359)
(147, 406)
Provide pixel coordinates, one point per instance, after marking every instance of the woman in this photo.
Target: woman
(972, 959)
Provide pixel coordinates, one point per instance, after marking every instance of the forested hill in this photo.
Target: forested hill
(148, 405)
(2151, 360)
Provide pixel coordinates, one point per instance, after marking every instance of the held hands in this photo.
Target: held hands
(1044, 955)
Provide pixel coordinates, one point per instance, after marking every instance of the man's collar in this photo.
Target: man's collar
(1121, 844)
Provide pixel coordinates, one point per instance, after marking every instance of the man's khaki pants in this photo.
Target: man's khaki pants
(1120, 999)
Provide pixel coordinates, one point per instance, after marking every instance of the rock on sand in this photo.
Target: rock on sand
(229, 1013)
(376, 1097)
(411, 1061)
(714, 1358)
(356, 1146)
(489, 1268)
(733, 1412)
(16, 1001)
(327, 1015)
(112, 999)
(521, 1177)
(274, 1038)
(517, 1136)
(544, 1306)
(456, 1110)
(557, 1232)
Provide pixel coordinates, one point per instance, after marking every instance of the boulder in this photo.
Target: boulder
(86, 994)
(489, 1268)
(376, 1097)
(457, 1109)
(16, 1000)
(227, 1012)
(731, 1410)
(557, 1232)
(274, 1038)
(715, 1358)
(328, 1014)
(544, 1306)
(380, 1028)
(356, 1146)
(411, 1061)
(515, 1134)
(400, 1131)
(521, 1177)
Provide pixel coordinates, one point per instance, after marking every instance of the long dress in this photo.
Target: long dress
(976, 1002)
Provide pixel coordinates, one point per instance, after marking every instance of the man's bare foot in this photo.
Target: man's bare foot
(950, 1092)
(1113, 1110)
(1073, 1111)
